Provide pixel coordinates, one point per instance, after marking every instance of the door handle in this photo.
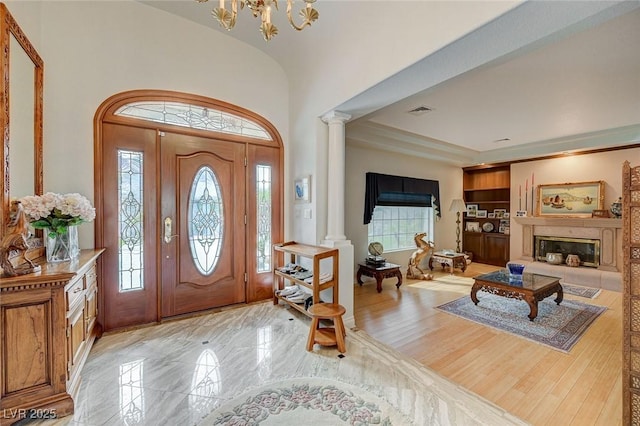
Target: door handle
(168, 228)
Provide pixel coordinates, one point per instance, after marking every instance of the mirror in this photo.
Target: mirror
(21, 89)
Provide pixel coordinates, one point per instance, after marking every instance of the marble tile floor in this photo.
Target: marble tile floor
(176, 373)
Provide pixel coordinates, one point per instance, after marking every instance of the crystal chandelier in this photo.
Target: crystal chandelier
(262, 8)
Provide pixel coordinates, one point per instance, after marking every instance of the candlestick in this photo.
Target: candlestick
(520, 197)
(526, 197)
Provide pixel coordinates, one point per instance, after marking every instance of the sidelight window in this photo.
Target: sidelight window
(263, 191)
(130, 225)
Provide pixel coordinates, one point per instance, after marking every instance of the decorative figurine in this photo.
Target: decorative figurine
(16, 240)
(424, 248)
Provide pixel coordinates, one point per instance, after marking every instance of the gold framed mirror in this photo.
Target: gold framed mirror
(21, 97)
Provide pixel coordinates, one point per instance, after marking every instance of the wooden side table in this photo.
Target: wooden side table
(454, 260)
(387, 270)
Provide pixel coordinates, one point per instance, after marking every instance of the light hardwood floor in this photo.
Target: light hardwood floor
(536, 383)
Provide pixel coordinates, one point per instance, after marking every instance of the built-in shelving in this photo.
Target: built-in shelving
(489, 189)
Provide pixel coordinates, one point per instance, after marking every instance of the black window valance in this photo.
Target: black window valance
(389, 190)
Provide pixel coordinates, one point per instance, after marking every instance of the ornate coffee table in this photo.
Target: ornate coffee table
(380, 272)
(529, 287)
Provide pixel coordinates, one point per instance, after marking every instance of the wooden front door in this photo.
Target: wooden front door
(188, 204)
(203, 217)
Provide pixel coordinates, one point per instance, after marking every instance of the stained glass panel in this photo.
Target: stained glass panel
(130, 213)
(193, 116)
(205, 220)
(263, 191)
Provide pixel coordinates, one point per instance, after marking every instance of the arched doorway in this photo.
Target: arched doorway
(188, 196)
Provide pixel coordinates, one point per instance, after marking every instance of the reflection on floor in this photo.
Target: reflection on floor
(178, 372)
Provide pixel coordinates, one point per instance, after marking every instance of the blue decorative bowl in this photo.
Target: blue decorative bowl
(516, 268)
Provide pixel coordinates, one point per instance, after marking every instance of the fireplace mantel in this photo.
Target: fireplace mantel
(573, 222)
(607, 230)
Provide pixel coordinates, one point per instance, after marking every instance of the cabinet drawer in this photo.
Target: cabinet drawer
(74, 292)
(90, 278)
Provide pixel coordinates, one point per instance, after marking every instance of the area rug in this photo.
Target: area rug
(557, 326)
(458, 282)
(588, 292)
(310, 401)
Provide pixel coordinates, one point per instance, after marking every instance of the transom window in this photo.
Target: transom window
(395, 226)
(193, 116)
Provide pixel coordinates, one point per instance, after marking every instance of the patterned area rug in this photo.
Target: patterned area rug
(309, 401)
(588, 292)
(557, 326)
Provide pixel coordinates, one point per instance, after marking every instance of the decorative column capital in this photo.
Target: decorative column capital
(333, 117)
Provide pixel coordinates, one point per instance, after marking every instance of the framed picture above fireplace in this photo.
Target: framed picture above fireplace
(577, 199)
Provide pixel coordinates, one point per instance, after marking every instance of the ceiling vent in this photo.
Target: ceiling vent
(502, 140)
(420, 110)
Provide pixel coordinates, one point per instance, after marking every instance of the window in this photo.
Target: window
(194, 116)
(395, 227)
(263, 208)
(130, 225)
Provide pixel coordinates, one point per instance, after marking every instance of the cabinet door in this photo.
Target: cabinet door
(496, 249)
(91, 308)
(76, 329)
(474, 243)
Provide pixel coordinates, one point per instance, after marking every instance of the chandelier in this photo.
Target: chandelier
(262, 8)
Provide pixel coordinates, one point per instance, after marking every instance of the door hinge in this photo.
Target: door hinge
(245, 219)
(160, 133)
(245, 277)
(68, 331)
(245, 161)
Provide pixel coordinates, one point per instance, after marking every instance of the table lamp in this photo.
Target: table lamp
(458, 205)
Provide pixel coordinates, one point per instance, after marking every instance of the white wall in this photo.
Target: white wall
(95, 49)
(327, 74)
(606, 166)
(360, 161)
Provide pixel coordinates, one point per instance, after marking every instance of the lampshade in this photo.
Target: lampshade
(458, 205)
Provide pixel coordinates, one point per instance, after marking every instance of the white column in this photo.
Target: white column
(335, 211)
(336, 173)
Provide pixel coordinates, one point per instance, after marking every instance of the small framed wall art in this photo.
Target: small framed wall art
(302, 189)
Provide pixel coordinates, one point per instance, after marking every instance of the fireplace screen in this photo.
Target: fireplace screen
(587, 250)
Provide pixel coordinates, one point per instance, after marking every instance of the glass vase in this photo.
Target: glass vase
(62, 247)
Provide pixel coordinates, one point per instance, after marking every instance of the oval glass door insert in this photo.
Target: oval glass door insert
(205, 223)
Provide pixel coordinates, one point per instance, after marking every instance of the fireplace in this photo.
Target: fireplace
(594, 240)
(588, 250)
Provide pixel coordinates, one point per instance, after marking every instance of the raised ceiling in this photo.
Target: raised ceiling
(577, 90)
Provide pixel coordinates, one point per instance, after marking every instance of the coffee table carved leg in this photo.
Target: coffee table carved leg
(560, 296)
(379, 282)
(359, 276)
(474, 290)
(399, 275)
(533, 307)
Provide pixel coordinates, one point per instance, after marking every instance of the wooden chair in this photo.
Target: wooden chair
(327, 336)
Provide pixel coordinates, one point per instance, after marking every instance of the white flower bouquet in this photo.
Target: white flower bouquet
(57, 211)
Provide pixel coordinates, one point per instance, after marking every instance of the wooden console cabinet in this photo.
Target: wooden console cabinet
(47, 327)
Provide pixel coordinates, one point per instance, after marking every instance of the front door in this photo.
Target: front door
(203, 217)
(188, 204)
